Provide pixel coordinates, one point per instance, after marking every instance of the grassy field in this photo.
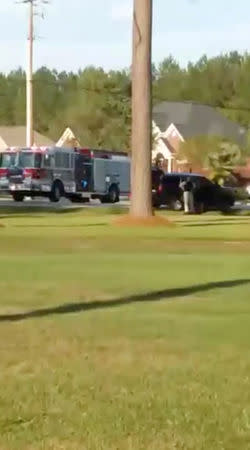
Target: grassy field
(127, 339)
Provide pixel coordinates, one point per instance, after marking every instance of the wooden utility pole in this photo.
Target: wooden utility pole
(141, 183)
(29, 80)
(29, 72)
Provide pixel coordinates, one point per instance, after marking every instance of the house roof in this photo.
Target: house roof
(194, 119)
(16, 137)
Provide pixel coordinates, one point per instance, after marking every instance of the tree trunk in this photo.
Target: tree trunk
(141, 183)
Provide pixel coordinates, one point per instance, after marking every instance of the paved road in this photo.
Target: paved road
(44, 203)
(64, 203)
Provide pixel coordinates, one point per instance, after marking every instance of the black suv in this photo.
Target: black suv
(207, 195)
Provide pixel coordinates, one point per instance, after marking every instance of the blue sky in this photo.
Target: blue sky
(76, 33)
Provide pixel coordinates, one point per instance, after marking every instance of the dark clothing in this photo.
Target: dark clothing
(187, 186)
(157, 175)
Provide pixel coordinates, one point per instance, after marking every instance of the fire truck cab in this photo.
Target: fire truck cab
(7, 164)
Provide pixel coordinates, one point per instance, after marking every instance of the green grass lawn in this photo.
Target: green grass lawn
(126, 339)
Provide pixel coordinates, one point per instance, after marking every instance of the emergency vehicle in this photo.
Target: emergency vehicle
(7, 162)
(79, 174)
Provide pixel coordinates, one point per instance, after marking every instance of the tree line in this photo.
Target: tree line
(96, 104)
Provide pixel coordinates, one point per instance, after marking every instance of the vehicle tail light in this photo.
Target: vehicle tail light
(160, 189)
(4, 172)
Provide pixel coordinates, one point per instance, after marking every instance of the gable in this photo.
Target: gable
(68, 139)
(173, 133)
(162, 147)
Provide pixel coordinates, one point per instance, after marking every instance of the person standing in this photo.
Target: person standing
(157, 174)
(188, 195)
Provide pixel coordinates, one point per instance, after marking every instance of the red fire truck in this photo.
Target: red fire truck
(56, 172)
(7, 162)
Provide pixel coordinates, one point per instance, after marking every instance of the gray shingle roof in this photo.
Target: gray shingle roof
(194, 119)
(16, 137)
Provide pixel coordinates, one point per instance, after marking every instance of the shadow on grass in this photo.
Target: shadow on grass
(216, 224)
(72, 308)
(33, 211)
(36, 211)
(82, 225)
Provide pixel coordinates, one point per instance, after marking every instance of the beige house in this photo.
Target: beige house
(16, 137)
(176, 122)
(166, 145)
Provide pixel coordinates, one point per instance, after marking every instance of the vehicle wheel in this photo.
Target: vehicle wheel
(113, 195)
(225, 208)
(156, 202)
(17, 197)
(57, 192)
(176, 205)
(200, 208)
(156, 205)
(104, 199)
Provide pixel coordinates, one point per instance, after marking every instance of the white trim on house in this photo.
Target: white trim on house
(173, 131)
(68, 139)
(161, 148)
